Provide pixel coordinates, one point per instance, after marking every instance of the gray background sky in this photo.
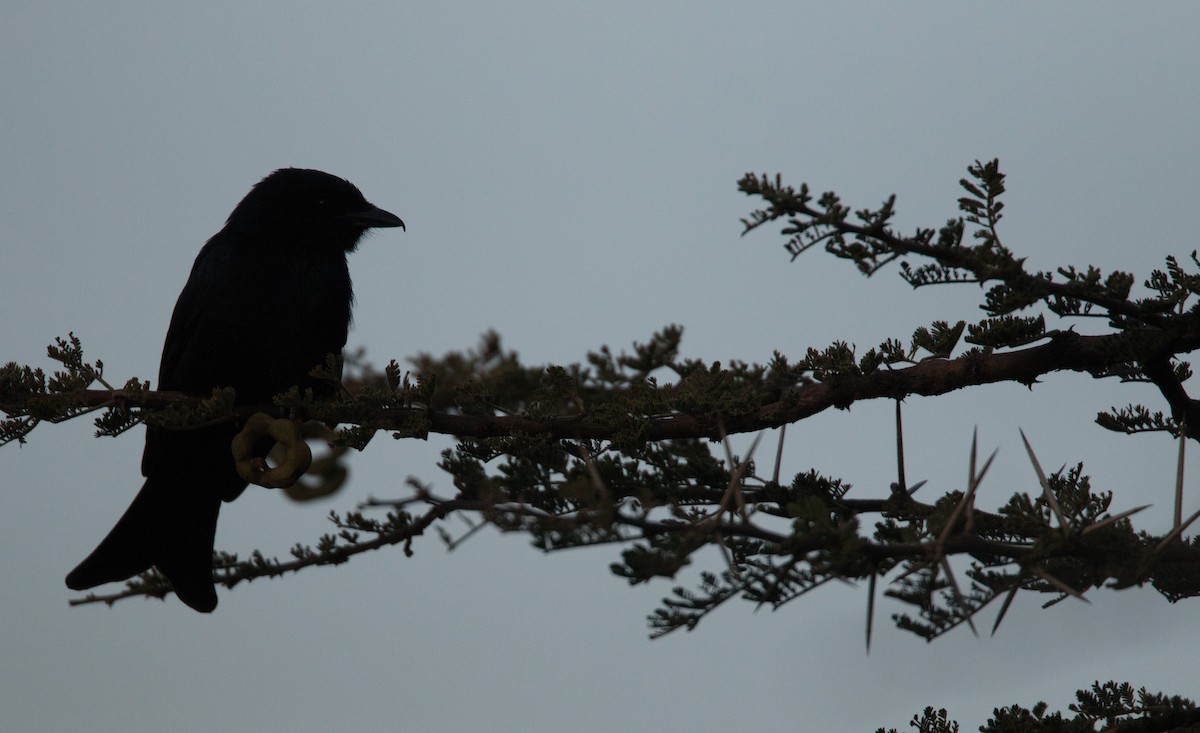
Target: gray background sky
(567, 173)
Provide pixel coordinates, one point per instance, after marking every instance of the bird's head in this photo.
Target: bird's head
(308, 209)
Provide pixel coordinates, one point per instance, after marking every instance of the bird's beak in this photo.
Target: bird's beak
(372, 218)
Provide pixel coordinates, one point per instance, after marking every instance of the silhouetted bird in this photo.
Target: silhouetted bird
(268, 299)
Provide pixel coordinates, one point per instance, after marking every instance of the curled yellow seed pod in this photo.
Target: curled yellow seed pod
(326, 474)
(297, 456)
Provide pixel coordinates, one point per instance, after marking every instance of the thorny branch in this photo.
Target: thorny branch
(604, 453)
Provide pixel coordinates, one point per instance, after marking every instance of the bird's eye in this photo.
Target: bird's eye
(321, 203)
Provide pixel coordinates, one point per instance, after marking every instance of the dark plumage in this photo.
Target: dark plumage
(268, 298)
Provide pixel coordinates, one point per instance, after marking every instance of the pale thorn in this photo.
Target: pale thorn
(1179, 474)
(962, 602)
(1176, 532)
(1058, 584)
(1037, 467)
(1114, 518)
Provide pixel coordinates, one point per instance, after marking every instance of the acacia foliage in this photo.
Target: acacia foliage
(1115, 707)
(629, 449)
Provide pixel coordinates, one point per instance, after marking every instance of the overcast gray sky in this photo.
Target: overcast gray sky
(567, 173)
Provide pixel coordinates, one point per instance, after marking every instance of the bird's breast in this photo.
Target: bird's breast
(257, 323)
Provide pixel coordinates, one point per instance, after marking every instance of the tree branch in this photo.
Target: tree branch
(1065, 350)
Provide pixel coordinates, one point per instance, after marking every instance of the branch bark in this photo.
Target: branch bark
(1064, 351)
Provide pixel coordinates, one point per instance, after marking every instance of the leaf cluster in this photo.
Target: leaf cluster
(1117, 707)
(22, 386)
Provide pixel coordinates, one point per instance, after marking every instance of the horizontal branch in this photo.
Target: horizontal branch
(934, 376)
(232, 572)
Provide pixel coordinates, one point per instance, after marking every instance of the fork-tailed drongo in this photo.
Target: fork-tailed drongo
(268, 299)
